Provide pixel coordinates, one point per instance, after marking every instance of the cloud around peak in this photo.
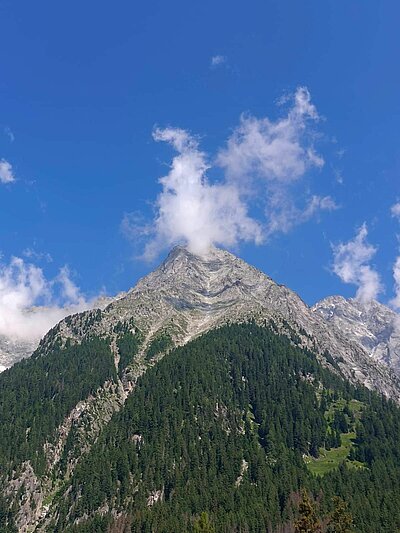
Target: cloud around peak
(256, 171)
(190, 209)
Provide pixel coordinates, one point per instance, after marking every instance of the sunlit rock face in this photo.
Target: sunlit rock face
(372, 325)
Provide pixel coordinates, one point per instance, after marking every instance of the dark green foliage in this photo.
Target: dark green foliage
(340, 422)
(237, 394)
(128, 346)
(240, 393)
(98, 524)
(202, 524)
(160, 344)
(214, 437)
(6, 518)
(37, 393)
(341, 520)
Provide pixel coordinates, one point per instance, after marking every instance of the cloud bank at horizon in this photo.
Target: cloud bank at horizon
(31, 304)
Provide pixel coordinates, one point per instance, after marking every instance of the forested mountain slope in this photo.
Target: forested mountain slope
(231, 425)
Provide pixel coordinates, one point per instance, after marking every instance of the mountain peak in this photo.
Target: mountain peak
(213, 253)
(189, 294)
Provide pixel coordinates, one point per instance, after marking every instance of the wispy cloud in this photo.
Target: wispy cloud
(338, 176)
(352, 265)
(6, 172)
(395, 210)
(284, 215)
(270, 157)
(395, 302)
(276, 151)
(9, 134)
(218, 60)
(31, 253)
(30, 304)
(261, 163)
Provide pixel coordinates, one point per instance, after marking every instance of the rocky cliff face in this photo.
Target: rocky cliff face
(372, 326)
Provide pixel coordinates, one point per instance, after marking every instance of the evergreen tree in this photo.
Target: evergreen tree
(307, 521)
(341, 520)
(202, 524)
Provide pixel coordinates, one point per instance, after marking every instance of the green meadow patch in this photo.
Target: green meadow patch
(329, 460)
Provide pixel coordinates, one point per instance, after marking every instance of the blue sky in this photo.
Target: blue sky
(84, 85)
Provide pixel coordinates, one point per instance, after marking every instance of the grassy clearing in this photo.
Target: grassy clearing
(331, 459)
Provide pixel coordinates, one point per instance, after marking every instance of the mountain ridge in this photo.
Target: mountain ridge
(189, 294)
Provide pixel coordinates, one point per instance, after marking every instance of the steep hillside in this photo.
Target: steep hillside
(14, 348)
(229, 425)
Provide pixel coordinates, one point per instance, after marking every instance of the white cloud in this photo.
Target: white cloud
(6, 172)
(218, 60)
(395, 210)
(338, 175)
(284, 215)
(190, 209)
(270, 157)
(395, 302)
(30, 304)
(351, 264)
(31, 253)
(275, 151)
(9, 134)
(262, 162)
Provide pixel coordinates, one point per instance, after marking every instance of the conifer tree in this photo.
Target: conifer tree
(203, 524)
(308, 521)
(341, 520)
